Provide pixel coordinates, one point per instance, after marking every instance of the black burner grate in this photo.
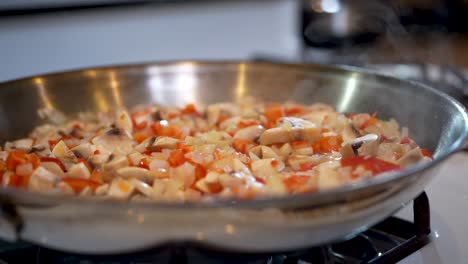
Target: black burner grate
(387, 242)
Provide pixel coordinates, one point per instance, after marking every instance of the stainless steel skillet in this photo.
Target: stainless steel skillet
(436, 122)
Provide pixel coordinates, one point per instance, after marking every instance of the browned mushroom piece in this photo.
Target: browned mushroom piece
(158, 143)
(291, 129)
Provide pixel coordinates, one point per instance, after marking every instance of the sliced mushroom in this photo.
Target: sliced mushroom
(120, 188)
(370, 148)
(142, 146)
(83, 150)
(230, 123)
(264, 152)
(97, 161)
(285, 151)
(238, 166)
(307, 150)
(391, 152)
(184, 174)
(42, 180)
(78, 170)
(265, 168)
(275, 186)
(123, 120)
(233, 179)
(359, 142)
(135, 172)
(411, 157)
(115, 140)
(142, 187)
(251, 133)
(291, 129)
(62, 152)
(21, 144)
(350, 133)
(204, 184)
(328, 176)
(295, 161)
(317, 117)
(109, 169)
(158, 143)
(366, 146)
(41, 150)
(135, 157)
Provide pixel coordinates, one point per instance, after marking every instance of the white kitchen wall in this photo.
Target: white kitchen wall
(42, 43)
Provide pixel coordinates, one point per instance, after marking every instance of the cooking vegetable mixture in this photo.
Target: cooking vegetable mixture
(226, 150)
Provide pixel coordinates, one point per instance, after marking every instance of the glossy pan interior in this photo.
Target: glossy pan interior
(436, 122)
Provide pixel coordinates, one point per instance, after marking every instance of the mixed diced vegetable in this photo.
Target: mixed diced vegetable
(224, 150)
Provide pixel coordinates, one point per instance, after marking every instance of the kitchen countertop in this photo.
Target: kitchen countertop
(448, 196)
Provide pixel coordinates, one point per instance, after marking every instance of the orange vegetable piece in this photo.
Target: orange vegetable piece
(136, 115)
(184, 147)
(242, 145)
(200, 172)
(273, 113)
(327, 144)
(18, 181)
(372, 164)
(294, 110)
(78, 184)
(52, 143)
(165, 130)
(295, 182)
(299, 144)
(176, 158)
(426, 153)
(96, 176)
(274, 163)
(221, 118)
(17, 157)
(214, 187)
(190, 109)
(144, 163)
(260, 180)
(307, 166)
(369, 122)
(140, 136)
(244, 124)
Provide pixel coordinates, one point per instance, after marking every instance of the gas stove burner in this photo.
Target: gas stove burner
(387, 242)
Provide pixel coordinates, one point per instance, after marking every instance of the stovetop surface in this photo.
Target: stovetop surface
(371, 246)
(448, 195)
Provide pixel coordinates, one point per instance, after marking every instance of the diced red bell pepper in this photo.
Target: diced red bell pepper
(242, 145)
(295, 182)
(372, 164)
(327, 144)
(426, 153)
(176, 158)
(78, 184)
